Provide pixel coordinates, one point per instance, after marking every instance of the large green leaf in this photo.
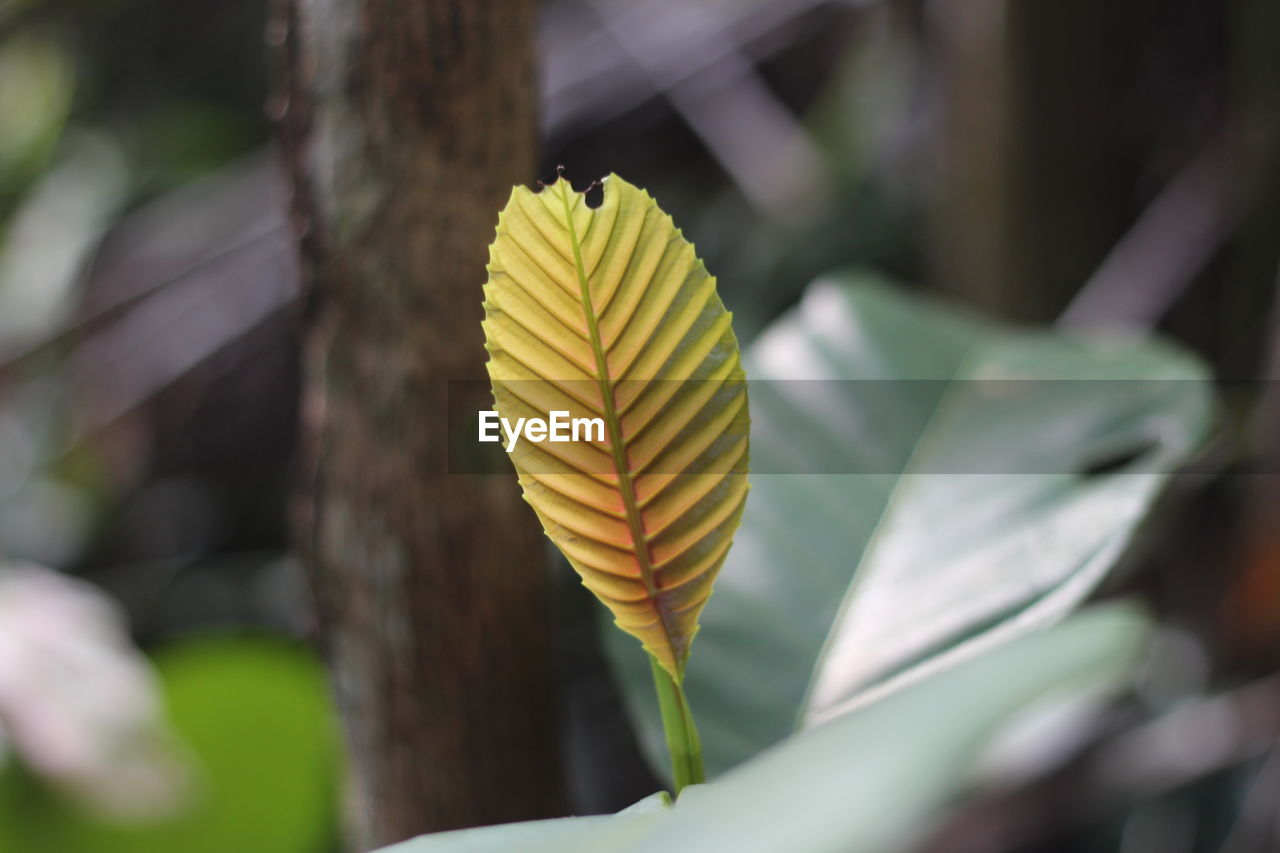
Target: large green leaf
(869, 781)
(600, 834)
(596, 833)
(923, 490)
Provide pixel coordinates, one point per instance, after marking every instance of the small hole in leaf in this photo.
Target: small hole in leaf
(594, 194)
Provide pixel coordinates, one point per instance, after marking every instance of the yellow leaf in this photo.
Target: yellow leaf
(606, 313)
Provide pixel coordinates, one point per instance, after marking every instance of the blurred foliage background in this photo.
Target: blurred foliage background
(1092, 164)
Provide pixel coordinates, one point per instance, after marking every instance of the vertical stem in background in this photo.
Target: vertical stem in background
(970, 205)
(1039, 156)
(682, 734)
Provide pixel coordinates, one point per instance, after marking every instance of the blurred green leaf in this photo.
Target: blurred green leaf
(257, 716)
(859, 117)
(869, 781)
(609, 832)
(184, 141)
(36, 84)
(919, 496)
(596, 834)
(52, 234)
(872, 780)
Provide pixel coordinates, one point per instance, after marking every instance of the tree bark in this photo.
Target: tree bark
(404, 125)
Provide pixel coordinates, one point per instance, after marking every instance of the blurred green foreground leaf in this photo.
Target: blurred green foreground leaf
(868, 781)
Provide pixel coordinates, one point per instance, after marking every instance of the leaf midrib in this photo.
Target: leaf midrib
(640, 543)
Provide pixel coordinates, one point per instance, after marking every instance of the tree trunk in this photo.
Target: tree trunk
(405, 125)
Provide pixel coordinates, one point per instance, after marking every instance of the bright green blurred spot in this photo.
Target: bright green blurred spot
(36, 84)
(257, 716)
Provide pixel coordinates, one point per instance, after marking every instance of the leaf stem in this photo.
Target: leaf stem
(677, 723)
